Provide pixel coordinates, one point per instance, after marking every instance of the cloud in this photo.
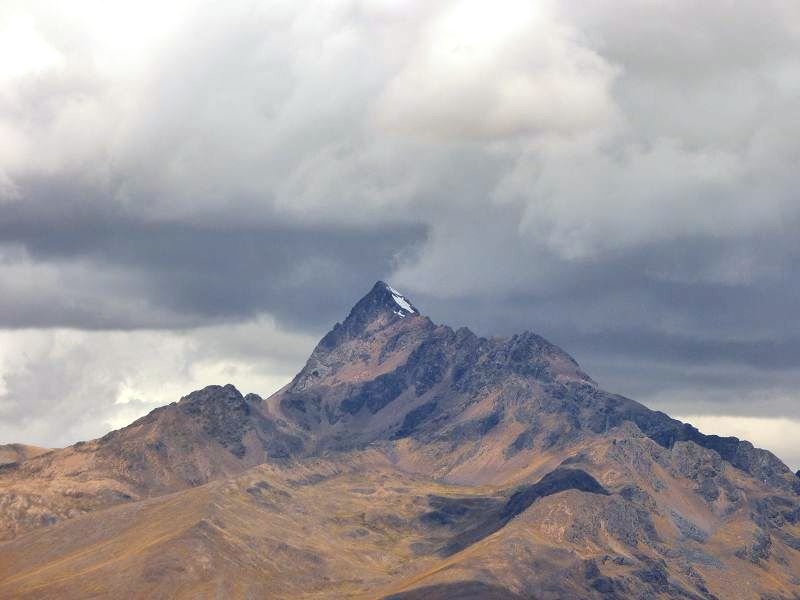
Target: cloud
(87, 266)
(493, 72)
(619, 176)
(58, 386)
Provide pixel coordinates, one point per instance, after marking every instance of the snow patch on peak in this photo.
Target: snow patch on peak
(401, 301)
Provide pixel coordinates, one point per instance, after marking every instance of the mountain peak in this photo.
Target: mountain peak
(380, 300)
(399, 304)
(383, 304)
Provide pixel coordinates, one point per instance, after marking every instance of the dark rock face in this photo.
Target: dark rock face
(414, 419)
(454, 511)
(226, 416)
(655, 575)
(775, 512)
(688, 529)
(480, 363)
(473, 429)
(278, 444)
(224, 413)
(524, 441)
(758, 550)
(376, 394)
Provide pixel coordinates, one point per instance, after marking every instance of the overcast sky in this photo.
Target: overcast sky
(193, 192)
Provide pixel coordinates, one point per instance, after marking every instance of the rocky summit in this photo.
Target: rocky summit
(406, 460)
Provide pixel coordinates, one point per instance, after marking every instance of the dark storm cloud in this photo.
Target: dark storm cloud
(197, 275)
(676, 291)
(652, 326)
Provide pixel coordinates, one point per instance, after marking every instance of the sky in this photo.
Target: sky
(193, 192)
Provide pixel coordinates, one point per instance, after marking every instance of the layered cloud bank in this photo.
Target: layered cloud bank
(619, 176)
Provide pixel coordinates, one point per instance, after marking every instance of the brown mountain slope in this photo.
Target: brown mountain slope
(406, 460)
(209, 434)
(17, 453)
(622, 520)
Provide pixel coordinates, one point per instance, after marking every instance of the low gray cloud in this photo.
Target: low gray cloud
(624, 186)
(179, 274)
